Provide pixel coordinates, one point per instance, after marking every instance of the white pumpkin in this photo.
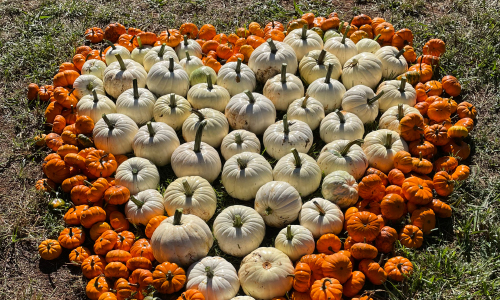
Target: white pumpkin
(110, 56)
(239, 230)
(278, 203)
(214, 277)
(85, 84)
(341, 126)
(172, 110)
(244, 173)
(307, 110)
(140, 52)
(342, 47)
(94, 67)
(144, 206)
(95, 106)
(380, 147)
(190, 63)
(157, 54)
(295, 241)
(114, 133)
(330, 33)
(236, 77)
(267, 59)
(327, 91)
(156, 142)
(340, 188)
(396, 92)
(303, 41)
(393, 61)
(282, 136)
(250, 111)
(190, 46)
(314, 65)
(167, 77)
(300, 170)
(343, 155)
(193, 194)
(321, 216)
(238, 141)
(118, 76)
(243, 298)
(362, 69)
(283, 88)
(390, 119)
(264, 273)
(181, 239)
(367, 45)
(362, 101)
(196, 158)
(199, 75)
(207, 95)
(215, 130)
(137, 174)
(137, 104)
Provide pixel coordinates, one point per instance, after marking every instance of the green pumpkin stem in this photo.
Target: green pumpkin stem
(87, 57)
(272, 46)
(110, 44)
(345, 34)
(321, 57)
(296, 156)
(237, 138)
(173, 102)
(121, 62)
(377, 37)
(170, 64)
(209, 82)
(388, 140)
(400, 53)
(329, 73)
(401, 113)
(136, 88)
(136, 201)
(370, 101)
(186, 40)
(94, 94)
(188, 56)
(341, 25)
(403, 84)
(269, 211)
(286, 128)
(304, 102)
(250, 96)
(289, 235)
(237, 221)
(177, 216)
(320, 209)
(242, 164)
(139, 42)
(340, 115)
(151, 129)
(162, 50)
(304, 32)
(108, 122)
(200, 116)
(283, 73)
(197, 138)
(238, 66)
(188, 191)
(346, 148)
(210, 273)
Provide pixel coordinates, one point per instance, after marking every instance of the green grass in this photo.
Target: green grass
(459, 260)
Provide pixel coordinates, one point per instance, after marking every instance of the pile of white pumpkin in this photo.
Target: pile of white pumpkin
(183, 95)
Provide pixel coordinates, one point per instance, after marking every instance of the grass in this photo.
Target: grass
(460, 260)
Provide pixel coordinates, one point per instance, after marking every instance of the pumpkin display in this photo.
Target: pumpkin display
(278, 203)
(321, 216)
(343, 155)
(172, 110)
(295, 241)
(236, 77)
(238, 141)
(363, 225)
(250, 111)
(393, 61)
(303, 41)
(315, 65)
(167, 77)
(362, 101)
(396, 92)
(342, 47)
(327, 90)
(137, 174)
(362, 69)
(307, 110)
(215, 129)
(86, 84)
(118, 76)
(266, 60)
(143, 206)
(156, 142)
(340, 125)
(136, 103)
(94, 106)
(281, 137)
(114, 133)
(380, 148)
(158, 54)
(341, 188)
(283, 88)
(207, 95)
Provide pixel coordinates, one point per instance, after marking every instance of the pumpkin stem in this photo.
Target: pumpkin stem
(377, 37)
(188, 191)
(283, 73)
(296, 156)
(87, 57)
(304, 32)
(323, 287)
(136, 88)
(186, 40)
(388, 140)
(269, 211)
(120, 61)
(286, 129)
(94, 94)
(272, 46)
(200, 116)
(345, 34)
(403, 84)
(420, 156)
(340, 115)
(370, 101)
(132, 40)
(250, 96)
(96, 282)
(304, 102)
(162, 50)
(177, 217)
(341, 25)
(289, 235)
(171, 64)
(242, 164)
(135, 171)
(188, 57)
(210, 273)
(320, 209)
(400, 53)
(70, 233)
(321, 57)
(151, 129)
(173, 102)
(169, 276)
(382, 256)
(238, 66)
(237, 221)
(346, 148)
(237, 138)
(199, 134)
(400, 111)
(136, 201)
(329, 73)
(209, 82)
(139, 42)
(108, 122)
(110, 44)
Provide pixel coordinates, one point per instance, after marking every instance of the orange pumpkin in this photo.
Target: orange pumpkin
(168, 277)
(71, 237)
(392, 207)
(424, 218)
(461, 173)
(443, 183)
(326, 288)
(437, 134)
(328, 243)
(466, 110)
(411, 236)
(315, 262)
(411, 127)
(189, 29)
(402, 38)
(457, 148)
(451, 85)
(125, 241)
(424, 70)
(302, 277)
(439, 111)
(386, 31)
(398, 268)
(373, 271)
(396, 177)
(417, 191)
(371, 188)
(207, 32)
(385, 239)
(440, 208)
(337, 266)
(403, 161)
(363, 225)
(434, 47)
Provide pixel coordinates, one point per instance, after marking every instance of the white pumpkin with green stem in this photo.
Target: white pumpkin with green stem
(239, 230)
(167, 77)
(331, 33)
(244, 173)
(391, 118)
(265, 273)
(114, 133)
(396, 92)
(342, 47)
(172, 110)
(236, 77)
(278, 203)
(215, 130)
(94, 106)
(283, 88)
(266, 60)
(214, 277)
(314, 65)
(341, 188)
(300, 170)
(393, 61)
(380, 147)
(85, 84)
(328, 91)
(250, 111)
(196, 158)
(110, 56)
(362, 101)
(362, 69)
(340, 125)
(157, 54)
(155, 141)
(208, 95)
(94, 67)
(137, 174)
(284, 135)
(144, 206)
(368, 45)
(295, 241)
(199, 75)
(190, 46)
(238, 141)
(181, 239)
(321, 216)
(140, 52)
(307, 110)
(303, 41)
(343, 155)
(118, 76)
(136, 103)
(190, 63)
(193, 194)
